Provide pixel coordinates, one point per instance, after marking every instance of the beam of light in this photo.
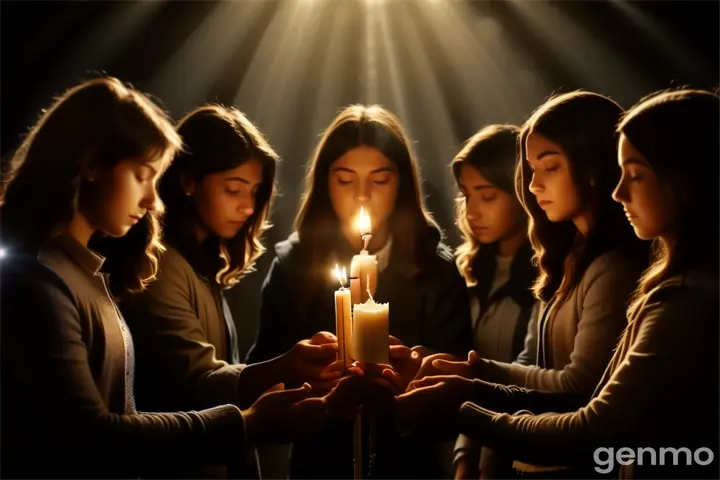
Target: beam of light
(664, 39)
(486, 64)
(599, 68)
(272, 83)
(370, 53)
(436, 131)
(95, 49)
(396, 100)
(187, 77)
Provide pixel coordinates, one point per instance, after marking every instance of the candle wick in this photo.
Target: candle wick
(366, 237)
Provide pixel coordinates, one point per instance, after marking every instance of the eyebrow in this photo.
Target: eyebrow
(148, 165)
(377, 170)
(237, 179)
(477, 187)
(635, 161)
(547, 153)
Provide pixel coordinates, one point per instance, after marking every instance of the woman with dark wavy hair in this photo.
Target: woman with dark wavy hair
(217, 194)
(660, 393)
(79, 220)
(364, 160)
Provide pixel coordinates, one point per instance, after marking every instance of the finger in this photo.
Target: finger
(427, 381)
(326, 351)
(372, 368)
(473, 357)
(450, 367)
(320, 388)
(290, 396)
(394, 380)
(336, 366)
(275, 388)
(329, 375)
(322, 338)
(421, 351)
(395, 341)
(398, 352)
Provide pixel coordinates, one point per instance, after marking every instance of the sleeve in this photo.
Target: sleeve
(450, 326)
(171, 340)
(636, 405)
(529, 354)
(605, 294)
(43, 347)
(511, 398)
(274, 335)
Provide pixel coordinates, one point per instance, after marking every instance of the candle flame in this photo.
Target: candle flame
(363, 222)
(340, 275)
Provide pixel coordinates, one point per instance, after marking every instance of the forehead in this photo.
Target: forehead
(537, 144)
(252, 166)
(472, 177)
(363, 159)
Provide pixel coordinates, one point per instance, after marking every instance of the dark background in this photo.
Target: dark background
(445, 75)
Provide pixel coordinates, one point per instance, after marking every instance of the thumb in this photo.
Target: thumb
(399, 352)
(449, 367)
(322, 338)
(275, 388)
(473, 357)
(395, 341)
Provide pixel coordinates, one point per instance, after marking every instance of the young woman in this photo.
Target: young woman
(588, 257)
(661, 388)
(363, 160)
(217, 194)
(83, 183)
(495, 258)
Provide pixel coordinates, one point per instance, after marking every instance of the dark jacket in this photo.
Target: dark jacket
(660, 390)
(67, 403)
(429, 308)
(186, 351)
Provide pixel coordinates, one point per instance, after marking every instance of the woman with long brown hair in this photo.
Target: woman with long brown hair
(363, 160)
(80, 226)
(217, 195)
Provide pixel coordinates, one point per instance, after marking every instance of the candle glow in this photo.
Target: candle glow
(363, 223)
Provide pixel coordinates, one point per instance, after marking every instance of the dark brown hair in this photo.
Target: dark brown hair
(677, 132)
(365, 126)
(217, 139)
(583, 125)
(95, 124)
(492, 152)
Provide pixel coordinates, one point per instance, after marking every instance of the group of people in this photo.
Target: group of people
(580, 312)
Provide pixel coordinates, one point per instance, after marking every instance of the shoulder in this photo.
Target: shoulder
(31, 284)
(687, 291)
(613, 266)
(172, 262)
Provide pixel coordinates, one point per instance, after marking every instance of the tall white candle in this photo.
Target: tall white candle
(343, 318)
(371, 332)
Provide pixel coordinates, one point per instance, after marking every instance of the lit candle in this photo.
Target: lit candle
(343, 318)
(371, 332)
(363, 268)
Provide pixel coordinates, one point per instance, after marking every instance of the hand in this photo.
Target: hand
(282, 416)
(467, 468)
(447, 364)
(436, 399)
(367, 385)
(313, 361)
(405, 360)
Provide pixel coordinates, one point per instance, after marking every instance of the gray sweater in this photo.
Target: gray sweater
(660, 390)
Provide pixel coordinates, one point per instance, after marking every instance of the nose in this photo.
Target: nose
(536, 185)
(620, 192)
(151, 201)
(362, 193)
(247, 205)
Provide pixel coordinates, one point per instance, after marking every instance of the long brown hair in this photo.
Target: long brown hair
(492, 152)
(365, 126)
(216, 139)
(95, 124)
(677, 132)
(583, 125)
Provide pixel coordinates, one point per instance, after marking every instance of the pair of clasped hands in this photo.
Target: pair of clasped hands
(415, 383)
